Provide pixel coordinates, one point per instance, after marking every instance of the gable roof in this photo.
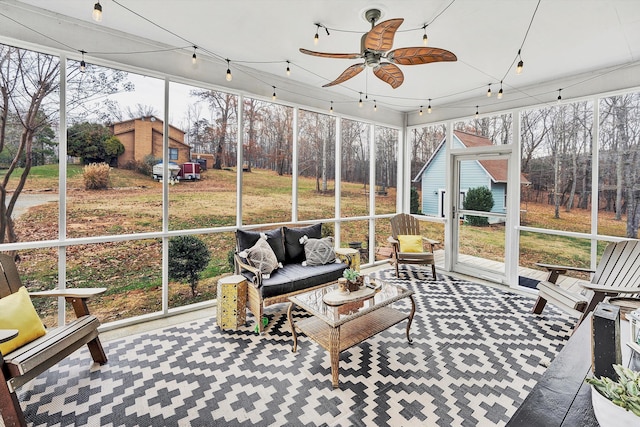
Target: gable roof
(496, 169)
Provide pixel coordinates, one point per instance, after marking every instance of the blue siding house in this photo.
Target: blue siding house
(488, 173)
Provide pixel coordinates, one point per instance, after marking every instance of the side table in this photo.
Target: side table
(232, 302)
(349, 256)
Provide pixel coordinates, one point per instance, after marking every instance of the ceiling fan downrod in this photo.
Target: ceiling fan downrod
(372, 15)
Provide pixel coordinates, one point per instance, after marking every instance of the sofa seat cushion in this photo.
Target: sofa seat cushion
(295, 277)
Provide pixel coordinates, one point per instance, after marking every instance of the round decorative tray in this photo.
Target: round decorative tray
(337, 297)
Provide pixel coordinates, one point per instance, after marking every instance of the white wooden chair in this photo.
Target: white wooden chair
(618, 273)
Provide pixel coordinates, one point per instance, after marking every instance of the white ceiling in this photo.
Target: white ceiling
(570, 45)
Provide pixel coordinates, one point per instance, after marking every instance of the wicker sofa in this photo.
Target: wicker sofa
(292, 277)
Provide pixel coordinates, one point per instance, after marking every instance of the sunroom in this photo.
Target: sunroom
(552, 86)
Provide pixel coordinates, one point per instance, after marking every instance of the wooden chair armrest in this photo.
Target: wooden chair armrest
(239, 266)
(610, 289)
(564, 268)
(8, 334)
(70, 293)
(430, 241)
(77, 297)
(393, 241)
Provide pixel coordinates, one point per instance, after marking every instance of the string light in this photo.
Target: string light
(360, 102)
(477, 111)
(316, 37)
(83, 65)
(429, 107)
(420, 110)
(194, 57)
(520, 64)
(97, 12)
(500, 91)
(331, 109)
(489, 91)
(288, 69)
(425, 39)
(375, 106)
(559, 96)
(229, 76)
(274, 93)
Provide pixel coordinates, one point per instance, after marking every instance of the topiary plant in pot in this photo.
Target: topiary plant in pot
(624, 394)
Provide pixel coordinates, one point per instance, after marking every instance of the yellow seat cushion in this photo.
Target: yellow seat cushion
(17, 312)
(410, 243)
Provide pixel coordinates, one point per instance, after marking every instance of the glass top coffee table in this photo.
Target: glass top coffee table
(339, 327)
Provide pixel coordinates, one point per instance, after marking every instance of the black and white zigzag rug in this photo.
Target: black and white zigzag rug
(476, 354)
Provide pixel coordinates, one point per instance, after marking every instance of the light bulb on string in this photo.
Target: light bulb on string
(274, 93)
(425, 38)
(420, 110)
(288, 69)
(194, 57)
(477, 111)
(229, 76)
(429, 107)
(360, 102)
(489, 91)
(500, 91)
(316, 38)
(97, 12)
(83, 65)
(559, 96)
(375, 106)
(520, 64)
(331, 109)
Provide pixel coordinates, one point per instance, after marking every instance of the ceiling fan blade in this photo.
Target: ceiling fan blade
(380, 37)
(332, 55)
(389, 73)
(350, 72)
(419, 55)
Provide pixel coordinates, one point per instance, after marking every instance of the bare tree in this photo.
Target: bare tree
(29, 103)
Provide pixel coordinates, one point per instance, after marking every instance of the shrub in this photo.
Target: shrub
(478, 199)
(414, 201)
(96, 176)
(188, 256)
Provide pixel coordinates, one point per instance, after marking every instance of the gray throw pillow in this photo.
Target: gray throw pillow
(318, 251)
(261, 256)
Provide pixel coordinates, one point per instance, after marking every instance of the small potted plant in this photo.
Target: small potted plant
(353, 278)
(617, 403)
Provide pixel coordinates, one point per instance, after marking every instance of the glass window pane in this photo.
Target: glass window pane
(316, 165)
(38, 270)
(113, 120)
(268, 156)
(427, 193)
(354, 192)
(29, 115)
(555, 250)
(220, 247)
(619, 166)
(355, 235)
(386, 169)
(205, 195)
(497, 129)
(556, 162)
(131, 271)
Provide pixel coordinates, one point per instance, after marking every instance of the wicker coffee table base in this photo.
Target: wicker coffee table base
(339, 338)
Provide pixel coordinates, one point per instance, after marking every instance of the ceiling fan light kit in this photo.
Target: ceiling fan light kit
(375, 50)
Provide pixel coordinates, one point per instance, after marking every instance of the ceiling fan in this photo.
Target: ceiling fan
(375, 47)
